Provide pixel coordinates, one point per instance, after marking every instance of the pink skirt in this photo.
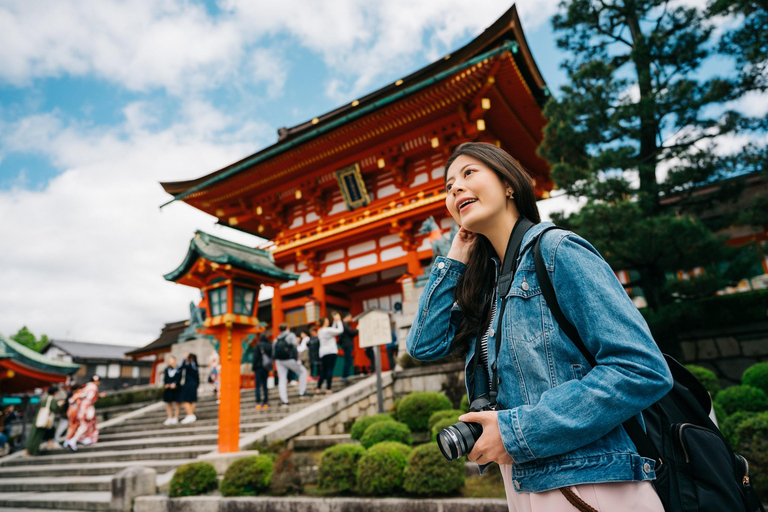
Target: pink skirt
(606, 497)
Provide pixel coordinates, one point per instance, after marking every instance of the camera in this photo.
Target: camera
(458, 439)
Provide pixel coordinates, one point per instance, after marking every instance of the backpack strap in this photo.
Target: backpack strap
(633, 428)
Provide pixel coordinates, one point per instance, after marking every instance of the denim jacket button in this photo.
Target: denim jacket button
(441, 265)
(646, 468)
(525, 286)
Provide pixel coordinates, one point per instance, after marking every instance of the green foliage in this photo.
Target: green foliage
(386, 431)
(288, 473)
(26, 338)
(464, 406)
(742, 398)
(441, 415)
(752, 443)
(193, 479)
(360, 426)
(382, 468)
(706, 377)
(429, 474)
(441, 425)
(248, 476)
(729, 425)
(415, 408)
(756, 376)
(337, 472)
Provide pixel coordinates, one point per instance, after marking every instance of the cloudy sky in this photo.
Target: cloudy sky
(102, 99)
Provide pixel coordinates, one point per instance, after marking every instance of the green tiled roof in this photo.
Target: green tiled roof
(225, 252)
(25, 356)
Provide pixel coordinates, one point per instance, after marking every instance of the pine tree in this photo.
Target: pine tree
(634, 111)
(26, 338)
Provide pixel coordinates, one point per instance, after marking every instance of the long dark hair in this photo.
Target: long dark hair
(472, 291)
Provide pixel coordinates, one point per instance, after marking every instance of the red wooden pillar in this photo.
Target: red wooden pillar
(230, 353)
(318, 292)
(278, 316)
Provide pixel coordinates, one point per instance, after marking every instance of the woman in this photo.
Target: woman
(262, 365)
(188, 395)
(44, 426)
(328, 350)
(172, 386)
(83, 427)
(214, 377)
(557, 427)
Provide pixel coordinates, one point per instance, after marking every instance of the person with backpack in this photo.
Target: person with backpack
(347, 345)
(550, 419)
(262, 365)
(313, 347)
(285, 353)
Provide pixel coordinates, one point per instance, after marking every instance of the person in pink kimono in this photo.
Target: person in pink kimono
(83, 427)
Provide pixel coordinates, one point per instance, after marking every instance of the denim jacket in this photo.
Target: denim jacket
(559, 418)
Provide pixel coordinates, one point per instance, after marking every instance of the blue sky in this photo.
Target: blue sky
(100, 100)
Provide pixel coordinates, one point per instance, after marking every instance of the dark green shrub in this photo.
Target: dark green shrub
(415, 408)
(752, 443)
(729, 425)
(706, 377)
(464, 406)
(441, 415)
(429, 474)
(442, 424)
(248, 476)
(382, 468)
(193, 479)
(393, 410)
(288, 475)
(742, 398)
(360, 426)
(338, 468)
(756, 376)
(386, 431)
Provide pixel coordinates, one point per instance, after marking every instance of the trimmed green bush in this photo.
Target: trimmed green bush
(360, 426)
(757, 376)
(441, 415)
(193, 479)
(429, 474)
(415, 408)
(248, 476)
(464, 406)
(742, 398)
(382, 468)
(337, 472)
(386, 431)
(442, 424)
(729, 425)
(752, 443)
(706, 377)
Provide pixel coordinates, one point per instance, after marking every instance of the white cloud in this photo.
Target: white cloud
(84, 258)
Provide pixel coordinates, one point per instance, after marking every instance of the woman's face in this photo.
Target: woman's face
(476, 196)
(171, 361)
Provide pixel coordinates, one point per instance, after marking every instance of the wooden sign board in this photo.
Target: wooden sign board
(374, 327)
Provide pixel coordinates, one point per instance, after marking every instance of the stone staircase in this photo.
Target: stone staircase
(62, 480)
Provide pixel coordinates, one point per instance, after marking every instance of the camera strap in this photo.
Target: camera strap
(503, 285)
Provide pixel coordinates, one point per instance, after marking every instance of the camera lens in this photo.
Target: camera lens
(458, 439)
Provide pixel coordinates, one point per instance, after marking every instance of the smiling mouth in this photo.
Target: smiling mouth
(463, 206)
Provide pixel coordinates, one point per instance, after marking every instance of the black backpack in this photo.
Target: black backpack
(284, 350)
(696, 470)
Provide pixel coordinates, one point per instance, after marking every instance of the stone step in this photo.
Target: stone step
(274, 413)
(90, 469)
(170, 431)
(91, 501)
(38, 483)
(138, 444)
(156, 453)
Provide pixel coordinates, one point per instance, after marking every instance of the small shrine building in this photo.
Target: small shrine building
(343, 198)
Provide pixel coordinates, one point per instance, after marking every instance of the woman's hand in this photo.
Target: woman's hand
(462, 244)
(489, 447)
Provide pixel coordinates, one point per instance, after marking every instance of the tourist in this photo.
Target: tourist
(347, 345)
(188, 394)
(262, 365)
(171, 389)
(302, 349)
(285, 354)
(61, 428)
(314, 352)
(83, 427)
(214, 377)
(10, 417)
(44, 426)
(556, 430)
(328, 350)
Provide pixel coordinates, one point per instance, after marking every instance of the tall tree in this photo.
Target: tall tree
(26, 338)
(634, 124)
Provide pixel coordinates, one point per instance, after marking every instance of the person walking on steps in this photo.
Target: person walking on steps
(172, 388)
(328, 350)
(262, 365)
(83, 425)
(347, 345)
(285, 354)
(44, 426)
(313, 347)
(552, 421)
(188, 394)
